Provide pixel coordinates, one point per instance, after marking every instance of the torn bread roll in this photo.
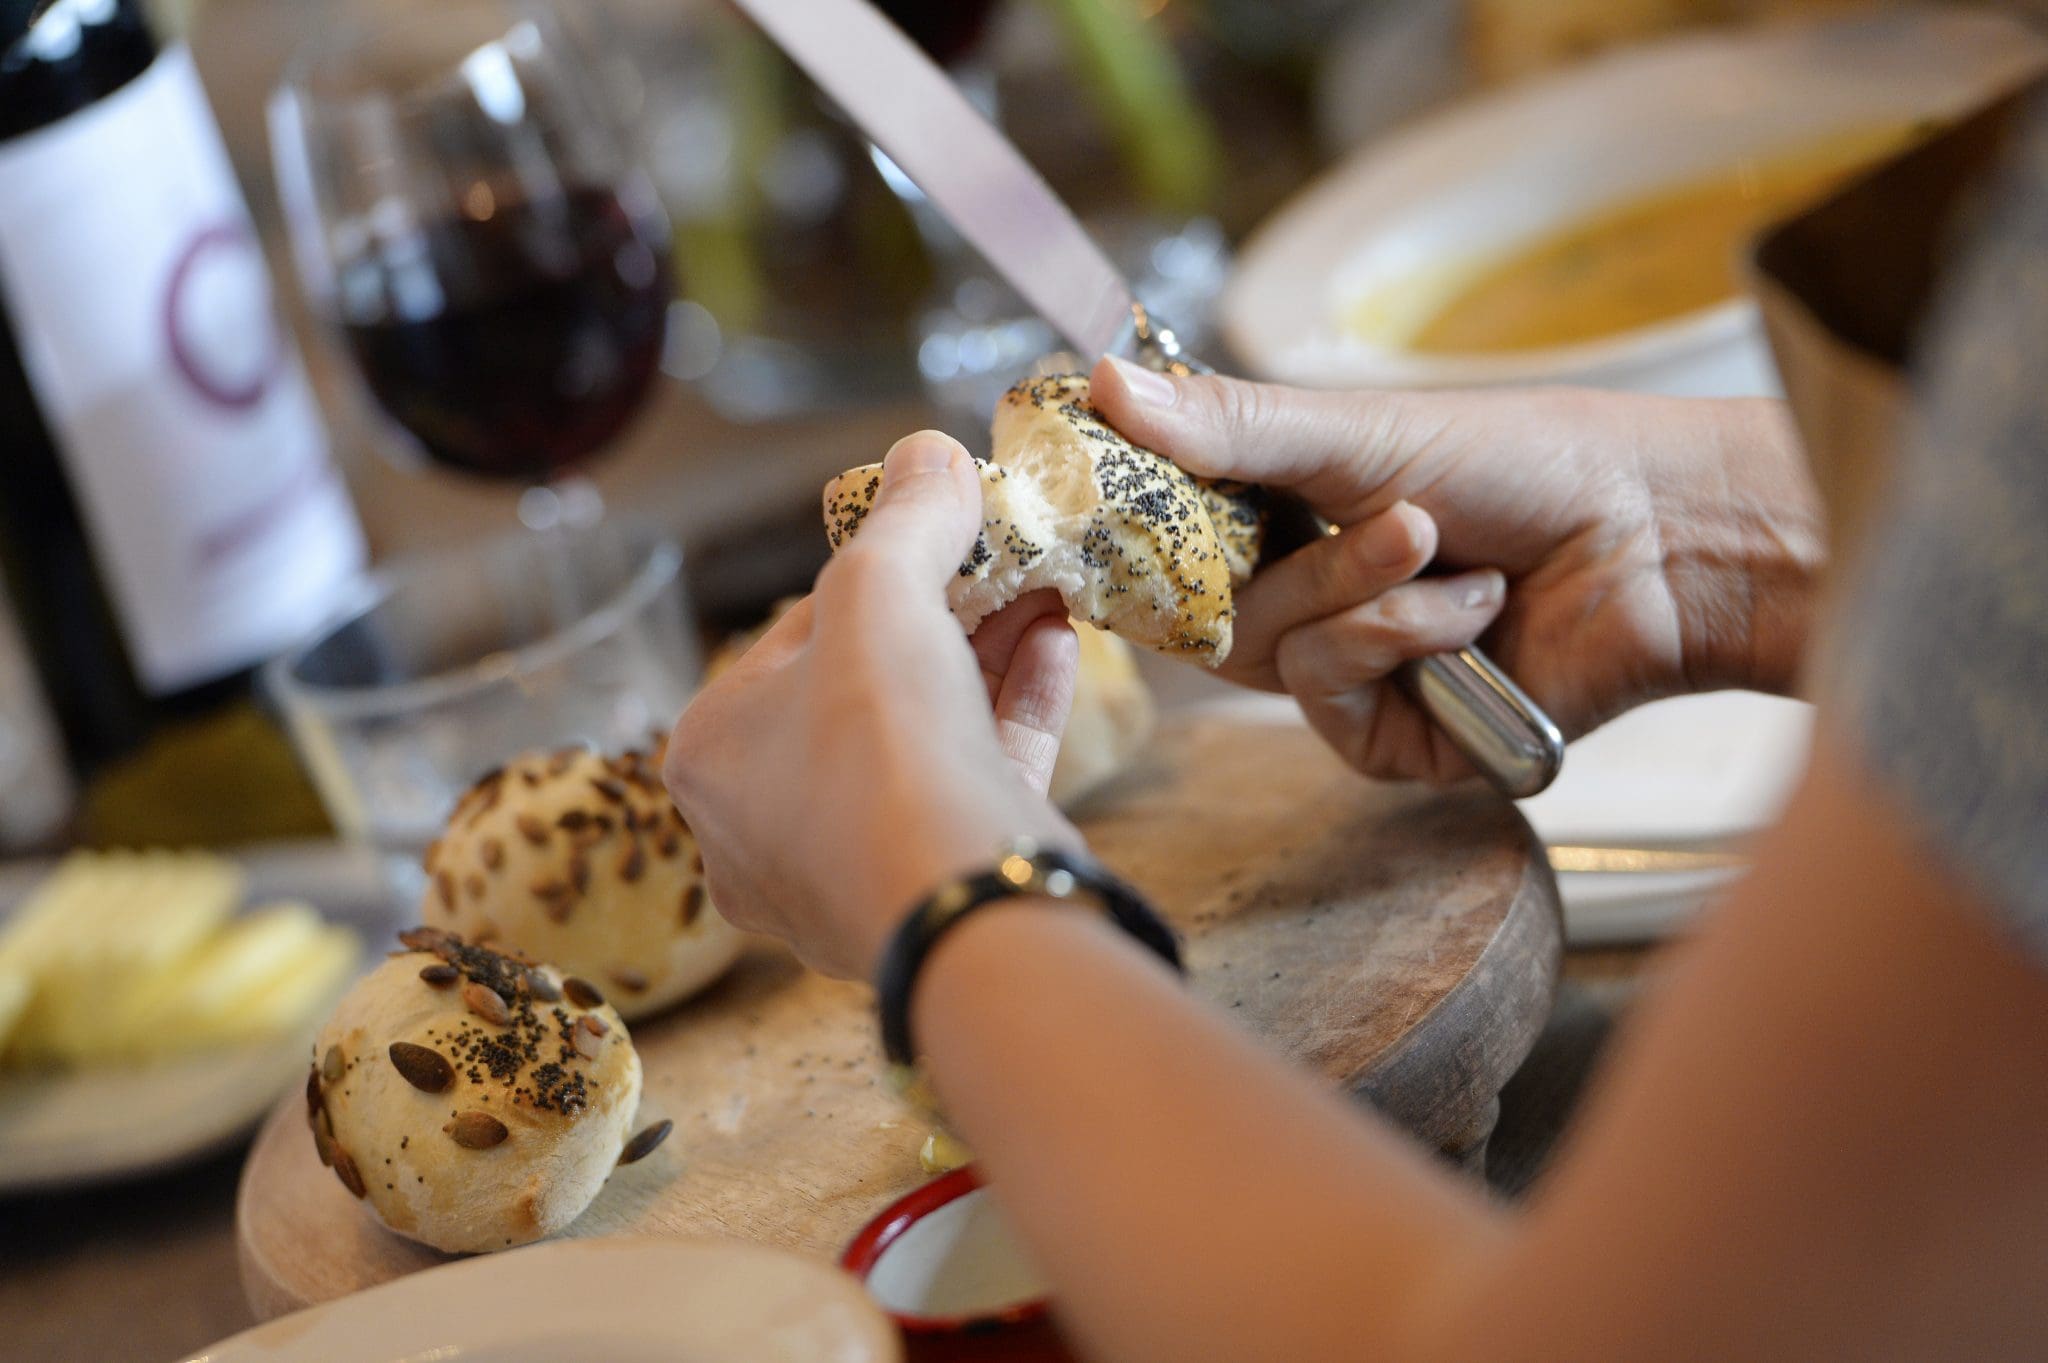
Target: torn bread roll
(581, 859)
(1131, 542)
(473, 1101)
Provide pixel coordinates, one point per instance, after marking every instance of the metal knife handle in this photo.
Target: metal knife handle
(1503, 733)
(1156, 347)
(1489, 719)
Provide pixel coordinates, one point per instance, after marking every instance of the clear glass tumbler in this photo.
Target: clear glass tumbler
(454, 662)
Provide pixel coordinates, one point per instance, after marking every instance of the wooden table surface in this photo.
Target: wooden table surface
(144, 1272)
(1400, 942)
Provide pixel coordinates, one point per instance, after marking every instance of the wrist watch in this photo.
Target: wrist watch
(1023, 870)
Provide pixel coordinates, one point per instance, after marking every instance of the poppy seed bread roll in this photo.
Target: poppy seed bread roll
(1132, 542)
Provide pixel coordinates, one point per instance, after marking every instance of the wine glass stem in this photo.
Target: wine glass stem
(558, 512)
(571, 502)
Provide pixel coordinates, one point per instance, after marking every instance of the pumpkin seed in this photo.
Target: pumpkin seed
(643, 1143)
(476, 1130)
(425, 1068)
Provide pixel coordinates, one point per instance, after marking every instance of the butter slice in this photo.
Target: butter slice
(102, 925)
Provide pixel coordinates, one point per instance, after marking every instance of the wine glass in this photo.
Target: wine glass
(466, 207)
(949, 30)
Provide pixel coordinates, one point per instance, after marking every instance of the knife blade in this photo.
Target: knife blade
(996, 200)
(983, 185)
(1649, 859)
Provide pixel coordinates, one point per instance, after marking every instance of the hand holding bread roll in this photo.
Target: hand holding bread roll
(1130, 541)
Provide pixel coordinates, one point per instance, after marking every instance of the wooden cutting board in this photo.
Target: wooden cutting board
(1403, 942)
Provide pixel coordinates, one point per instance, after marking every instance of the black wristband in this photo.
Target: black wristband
(1023, 872)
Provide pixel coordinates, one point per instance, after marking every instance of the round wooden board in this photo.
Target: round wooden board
(1403, 942)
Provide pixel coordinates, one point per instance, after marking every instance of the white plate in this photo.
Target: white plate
(1707, 767)
(1712, 768)
(63, 1127)
(77, 1126)
(619, 1300)
(1480, 177)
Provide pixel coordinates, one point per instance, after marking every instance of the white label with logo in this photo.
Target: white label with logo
(142, 310)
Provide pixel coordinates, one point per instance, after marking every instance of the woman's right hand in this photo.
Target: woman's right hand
(1608, 549)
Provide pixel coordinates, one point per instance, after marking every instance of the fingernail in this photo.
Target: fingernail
(1154, 390)
(1389, 539)
(1483, 588)
(922, 452)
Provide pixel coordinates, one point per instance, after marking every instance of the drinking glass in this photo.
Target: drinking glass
(454, 662)
(467, 208)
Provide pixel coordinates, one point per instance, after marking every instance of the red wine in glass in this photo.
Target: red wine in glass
(946, 29)
(516, 344)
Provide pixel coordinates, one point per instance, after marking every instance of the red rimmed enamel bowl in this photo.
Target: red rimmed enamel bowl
(943, 1262)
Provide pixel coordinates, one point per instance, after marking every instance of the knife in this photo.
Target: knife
(995, 199)
(1677, 857)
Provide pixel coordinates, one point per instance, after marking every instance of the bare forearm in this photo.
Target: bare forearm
(1822, 1140)
(1839, 1096)
(1200, 1199)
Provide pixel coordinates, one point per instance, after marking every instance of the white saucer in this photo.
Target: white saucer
(619, 1300)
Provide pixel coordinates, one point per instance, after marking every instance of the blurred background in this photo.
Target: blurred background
(580, 432)
(1330, 192)
(819, 314)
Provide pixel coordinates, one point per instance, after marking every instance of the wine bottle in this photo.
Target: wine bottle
(169, 516)
(35, 788)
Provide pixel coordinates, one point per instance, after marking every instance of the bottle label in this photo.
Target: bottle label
(142, 311)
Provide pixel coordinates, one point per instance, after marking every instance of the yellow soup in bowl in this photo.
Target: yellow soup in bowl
(1645, 260)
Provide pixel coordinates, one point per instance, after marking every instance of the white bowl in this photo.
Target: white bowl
(1486, 175)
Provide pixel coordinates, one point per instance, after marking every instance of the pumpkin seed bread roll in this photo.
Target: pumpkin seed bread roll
(581, 860)
(1132, 542)
(472, 1100)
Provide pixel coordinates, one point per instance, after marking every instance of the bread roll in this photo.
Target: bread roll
(1112, 719)
(1129, 540)
(473, 1101)
(1111, 722)
(734, 646)
(582, 860)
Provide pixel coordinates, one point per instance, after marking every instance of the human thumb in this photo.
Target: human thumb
(928, 509)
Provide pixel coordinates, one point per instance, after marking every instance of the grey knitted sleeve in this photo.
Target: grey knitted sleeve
(1940, 662)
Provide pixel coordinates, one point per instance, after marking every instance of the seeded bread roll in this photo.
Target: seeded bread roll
(473, 1101)
(734, 646)
(1112, 718)
(582, 861)
(1129, 540)
(1111, 722)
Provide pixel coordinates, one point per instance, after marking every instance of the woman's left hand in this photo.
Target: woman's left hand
(864, 751)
